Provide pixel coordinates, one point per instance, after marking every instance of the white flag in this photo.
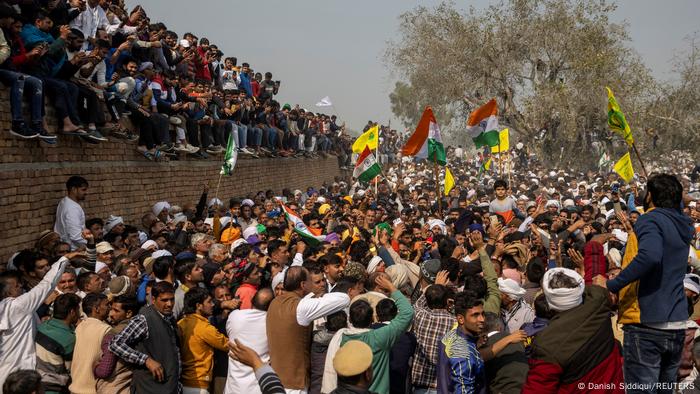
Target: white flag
(325, 102)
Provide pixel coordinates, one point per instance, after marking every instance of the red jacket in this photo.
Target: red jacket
(606, 377)
(577, 351)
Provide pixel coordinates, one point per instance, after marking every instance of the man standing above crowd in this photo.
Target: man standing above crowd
(651, 285)
(289, 325)
(70, 218)
(150, 343)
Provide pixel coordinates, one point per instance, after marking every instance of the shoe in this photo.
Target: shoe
(248, 151)
(19, 129)
(131, 137)
(192, 148)
(167, 148)
(46, 137)
(123, 135)
(212, 149)
(96, 136)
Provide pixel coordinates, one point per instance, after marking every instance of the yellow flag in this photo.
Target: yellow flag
(504, 142)
(449, 181)
(616, 119)
(369, 138)
(624, 169)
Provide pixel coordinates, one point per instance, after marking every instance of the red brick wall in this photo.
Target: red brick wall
(122, 182)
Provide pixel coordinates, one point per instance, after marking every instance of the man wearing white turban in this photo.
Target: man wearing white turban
(514, 311)
(161, 210)
(577, 349)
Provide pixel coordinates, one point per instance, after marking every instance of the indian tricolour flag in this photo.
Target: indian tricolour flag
(426, 141)
(367, 167)
(482, 125)
(301, 228)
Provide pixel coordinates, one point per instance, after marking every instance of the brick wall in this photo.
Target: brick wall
(33, 176)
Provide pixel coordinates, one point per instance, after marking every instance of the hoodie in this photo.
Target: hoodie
(658, 267)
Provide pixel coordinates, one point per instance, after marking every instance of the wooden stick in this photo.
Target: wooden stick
(639, 157)
(437, 184)
(216, 195)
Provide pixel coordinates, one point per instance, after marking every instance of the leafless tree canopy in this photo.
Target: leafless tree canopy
(547, 62)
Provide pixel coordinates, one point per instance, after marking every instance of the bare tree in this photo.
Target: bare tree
(546, 61)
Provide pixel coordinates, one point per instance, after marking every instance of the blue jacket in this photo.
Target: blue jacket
(660, 265)
(460, 368)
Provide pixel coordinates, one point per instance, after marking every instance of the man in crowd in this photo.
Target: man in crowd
(17, 317)
(431, 322)
(289, 325)
(460, 367)
(114, 375)
(88, 341)
(198, 339)
(656, 327)
(150, 343)
(245, 325)
(577, 349)
(55, 341)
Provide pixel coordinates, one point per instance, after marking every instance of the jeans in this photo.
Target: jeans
(651, 356)
(255, 135)
(17, 83)
(242, 136)
(65, 98)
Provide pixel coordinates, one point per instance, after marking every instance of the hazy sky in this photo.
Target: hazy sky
(335, 48)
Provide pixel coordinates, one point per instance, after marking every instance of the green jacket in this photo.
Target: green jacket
(492, 301)
(381, 341)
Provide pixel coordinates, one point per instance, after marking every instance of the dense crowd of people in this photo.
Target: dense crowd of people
(520, 278)
(531, 285)
(113, 72)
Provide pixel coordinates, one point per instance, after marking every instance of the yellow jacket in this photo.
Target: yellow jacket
(198, 340)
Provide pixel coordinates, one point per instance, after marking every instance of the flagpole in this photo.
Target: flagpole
(639, 157)
(216, 195)
(376, 156)
(437, 184)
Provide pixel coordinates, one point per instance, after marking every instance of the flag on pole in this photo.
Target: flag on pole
(449, 181)
(604, 161)
(482, 125)
(616, 119)
(325, 102)
(426, 141)
(369, 138)
(485, 166)
(301, 228)
(504, 142)
(230, 157)
(624, 169)
(367, 166)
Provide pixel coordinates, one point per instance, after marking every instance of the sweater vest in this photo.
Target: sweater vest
(162, 346)
(289, 342)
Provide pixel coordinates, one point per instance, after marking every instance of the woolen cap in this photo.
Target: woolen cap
(352, 359)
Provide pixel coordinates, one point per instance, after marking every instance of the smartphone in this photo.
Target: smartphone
(397, 221)
(494, 220)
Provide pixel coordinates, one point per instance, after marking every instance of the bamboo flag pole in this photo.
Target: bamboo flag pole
(437, 184)
(639, 157)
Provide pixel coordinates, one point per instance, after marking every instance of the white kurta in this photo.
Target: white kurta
(70, 222)
(249, 327)
(18, 323)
